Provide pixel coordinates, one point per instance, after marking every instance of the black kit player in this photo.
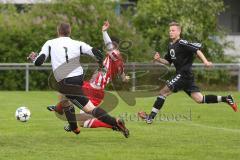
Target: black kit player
(181, 54)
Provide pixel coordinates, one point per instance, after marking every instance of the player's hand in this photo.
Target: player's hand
(105, 26)
(32, 56)
(208, 64)
(156, 56)
(126, 78)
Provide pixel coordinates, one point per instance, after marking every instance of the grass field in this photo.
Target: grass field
(209, 132)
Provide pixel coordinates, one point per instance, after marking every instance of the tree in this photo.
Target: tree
(198, 18)
(26, 31)
(23, 32)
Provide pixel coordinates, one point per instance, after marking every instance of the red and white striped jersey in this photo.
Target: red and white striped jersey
(113, 66)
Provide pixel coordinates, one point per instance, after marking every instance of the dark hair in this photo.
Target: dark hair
(175, 24)
(115, 40)
(64, 29)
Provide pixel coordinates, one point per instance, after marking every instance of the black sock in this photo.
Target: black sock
(157, 106)
(103, 116)
(210, 99)
(71, 117)
(224, 98)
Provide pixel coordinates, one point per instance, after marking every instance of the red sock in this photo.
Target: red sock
(95, 123)
(59, 108)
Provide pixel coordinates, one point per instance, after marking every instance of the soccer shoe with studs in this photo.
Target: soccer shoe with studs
(114, 128)
(231, 103)
(122, 128)
(68, 129)
(144, 116)
(51, 108)
(56, 109)
(149, 120)
(76, 131)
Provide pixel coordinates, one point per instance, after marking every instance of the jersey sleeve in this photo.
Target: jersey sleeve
(168, 57)
(86, 49)
(191, 47)
(107, 40)
(46, 48)
(43, 55)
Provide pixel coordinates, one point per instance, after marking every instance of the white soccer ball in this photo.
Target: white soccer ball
(23, 114)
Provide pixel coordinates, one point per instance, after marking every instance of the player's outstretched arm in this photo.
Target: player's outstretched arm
(204, 59)
(158, 58)
(107, 40)
(39, 59)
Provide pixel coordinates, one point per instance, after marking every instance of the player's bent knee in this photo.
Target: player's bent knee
(88, 108)
(165, 92)
(198, 99)
(65, 103)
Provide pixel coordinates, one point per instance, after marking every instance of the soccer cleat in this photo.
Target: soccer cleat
(231, 103)
(149, 120)
(57, 109)
(146, 117)
(68, 129)
(114, 128)
(51, 108)
(76, 131)
(122, 128)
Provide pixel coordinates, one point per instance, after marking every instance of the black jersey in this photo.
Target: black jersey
(181, 54)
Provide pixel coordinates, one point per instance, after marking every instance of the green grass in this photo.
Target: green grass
(212, 133)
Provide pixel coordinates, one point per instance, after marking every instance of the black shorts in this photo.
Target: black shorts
(185, 83)
(72, 88)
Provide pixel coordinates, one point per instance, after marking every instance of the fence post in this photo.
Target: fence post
(238, 77)
(27, 78)
(133, 77)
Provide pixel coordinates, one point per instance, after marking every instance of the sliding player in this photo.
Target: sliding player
(94, 89)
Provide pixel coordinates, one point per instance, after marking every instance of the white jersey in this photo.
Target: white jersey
(65, 56)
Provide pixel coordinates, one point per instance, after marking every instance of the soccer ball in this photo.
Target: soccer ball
(23, 114)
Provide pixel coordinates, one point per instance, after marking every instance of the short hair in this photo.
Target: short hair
(115, 40)
(175, 24)
(64, 29)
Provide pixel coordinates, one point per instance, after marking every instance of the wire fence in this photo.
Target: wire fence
(232, 68)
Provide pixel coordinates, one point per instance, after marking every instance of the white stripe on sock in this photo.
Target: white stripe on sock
(219, 98)
(162, 97)
(86, 123)
(155, 110)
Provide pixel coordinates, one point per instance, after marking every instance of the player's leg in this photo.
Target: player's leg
(69, 111)
(164, 92)
(83, 103)
(95, 96)
(103, 116)
(83, 119)
(72, 88)
(88, 121)
(95, 123)
(173, 85)
(198, 97)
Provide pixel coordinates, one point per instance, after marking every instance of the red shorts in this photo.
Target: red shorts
(94, 95)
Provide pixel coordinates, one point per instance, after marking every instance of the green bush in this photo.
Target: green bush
(23, 32)
(198, 18)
